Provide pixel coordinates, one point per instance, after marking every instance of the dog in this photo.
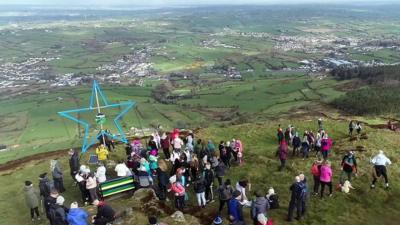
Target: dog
(346, 187)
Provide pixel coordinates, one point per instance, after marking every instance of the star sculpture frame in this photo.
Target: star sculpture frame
(94, 98)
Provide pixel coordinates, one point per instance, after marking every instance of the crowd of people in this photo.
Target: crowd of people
(194, 168)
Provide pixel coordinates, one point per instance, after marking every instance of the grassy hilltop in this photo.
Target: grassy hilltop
(361, 206)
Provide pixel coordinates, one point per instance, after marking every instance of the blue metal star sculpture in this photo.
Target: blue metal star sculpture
(96, 93)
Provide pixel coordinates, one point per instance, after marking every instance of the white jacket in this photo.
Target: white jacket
(381, 160)
(101, 174)
(122, 170)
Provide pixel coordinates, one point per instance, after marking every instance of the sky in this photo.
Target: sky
(176, 2)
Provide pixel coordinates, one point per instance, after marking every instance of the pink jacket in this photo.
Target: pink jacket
(239, 145)
(326, 174)
(326, 144)
(178, 188)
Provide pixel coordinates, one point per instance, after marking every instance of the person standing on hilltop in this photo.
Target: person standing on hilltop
(74, 163)
(380, 162)
(349, 165)
(316, 172)
(296, 142)
(165, 146)
(280, 134)
(320, 124)
(352, 126)
(282, 153)
(102, 153)
(296, 199)
(326, 144)
(32, 200)
(326, 178)
(57, 175)
(305, 145)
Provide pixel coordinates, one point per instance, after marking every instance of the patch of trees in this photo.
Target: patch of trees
(388, 74)
(161, 94)
(370, 101)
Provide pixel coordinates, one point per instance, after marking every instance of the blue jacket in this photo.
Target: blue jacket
(77, 217)
(235, 209)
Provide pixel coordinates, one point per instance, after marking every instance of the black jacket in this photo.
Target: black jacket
(44, 187)
(163, 179)
(296, 141)
(74, 162)
(200, 186)
(48, 202)
(209, 177)
(220, 169)
(58, 215)
(105, 211)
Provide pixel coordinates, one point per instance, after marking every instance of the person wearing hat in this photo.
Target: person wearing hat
(349, 165)
(76, 215)
(73, 163)
(217, 221)
(234, 207)
(58, 213)
(259, 206)
(380, 161)
(153, 221)
(296, 199)
(32, 199)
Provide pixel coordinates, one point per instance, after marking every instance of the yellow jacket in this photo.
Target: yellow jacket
(101, 153)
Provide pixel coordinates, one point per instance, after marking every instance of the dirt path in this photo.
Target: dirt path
(14, 164)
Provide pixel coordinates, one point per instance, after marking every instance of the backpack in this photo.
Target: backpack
(315, 170)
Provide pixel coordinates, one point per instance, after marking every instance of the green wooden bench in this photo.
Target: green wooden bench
(115, 186)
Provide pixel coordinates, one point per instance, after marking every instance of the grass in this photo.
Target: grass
(361, 206)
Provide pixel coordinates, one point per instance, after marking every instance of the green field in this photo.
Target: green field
(31, 124)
